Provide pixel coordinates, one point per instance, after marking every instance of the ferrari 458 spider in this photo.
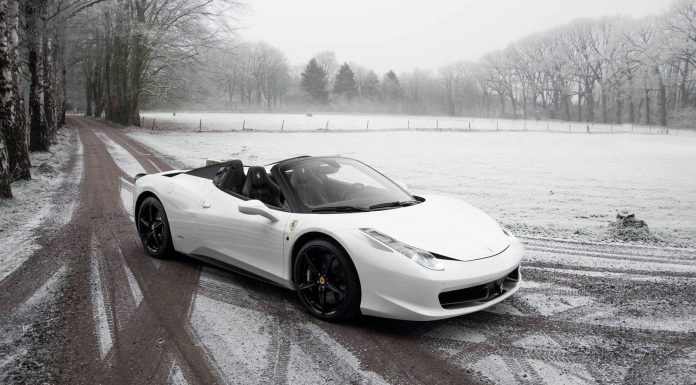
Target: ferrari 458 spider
(346, 238)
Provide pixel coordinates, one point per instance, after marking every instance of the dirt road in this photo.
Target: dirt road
(586, 313)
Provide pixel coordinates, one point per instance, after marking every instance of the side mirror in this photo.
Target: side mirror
(256, 207)
(402, 185)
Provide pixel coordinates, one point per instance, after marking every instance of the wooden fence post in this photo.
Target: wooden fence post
(282, 125)
(200, 125)
(243, 124)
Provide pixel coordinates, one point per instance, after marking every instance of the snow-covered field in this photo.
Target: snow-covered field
(538, 183)
(223, 121)
(45, 202)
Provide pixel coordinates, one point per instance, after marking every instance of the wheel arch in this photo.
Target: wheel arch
(310, 236)
(143, 195)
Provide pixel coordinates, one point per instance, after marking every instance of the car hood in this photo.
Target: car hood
(440, 225)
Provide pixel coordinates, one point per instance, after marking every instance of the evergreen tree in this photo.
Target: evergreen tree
(369, 86)
(314, 82)
(391, 86)
(345, 84)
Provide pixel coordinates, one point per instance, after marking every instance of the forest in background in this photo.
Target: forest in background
(113, 58)
(610, 70)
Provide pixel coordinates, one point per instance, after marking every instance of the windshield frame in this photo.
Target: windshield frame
(279, 170)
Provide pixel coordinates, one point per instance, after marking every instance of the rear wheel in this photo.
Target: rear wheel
(153, 228)
(326, 281)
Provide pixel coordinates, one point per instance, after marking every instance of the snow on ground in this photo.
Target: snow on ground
(537, 183)
(126, 193)
(100, 301)
(47, 201)
(123, 159)
(225, 121)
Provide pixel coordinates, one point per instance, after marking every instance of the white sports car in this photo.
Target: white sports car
(346, 238)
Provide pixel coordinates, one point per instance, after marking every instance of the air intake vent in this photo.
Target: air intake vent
(481, 293)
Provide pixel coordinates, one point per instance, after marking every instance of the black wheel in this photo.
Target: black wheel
(326, 281)
(153, 229)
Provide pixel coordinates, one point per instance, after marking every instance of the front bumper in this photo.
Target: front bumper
(394, 287)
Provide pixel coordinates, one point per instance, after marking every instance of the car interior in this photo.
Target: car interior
(256, 183)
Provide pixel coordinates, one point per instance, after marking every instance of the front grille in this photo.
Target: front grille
(479, 294)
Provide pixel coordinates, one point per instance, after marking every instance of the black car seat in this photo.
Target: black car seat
(259, 186)
(308, 187)
(230, 178)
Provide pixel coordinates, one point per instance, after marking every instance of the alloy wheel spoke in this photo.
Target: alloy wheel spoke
(144, 222)
(307, 285)
(328, 265)
(335, 289)
(154, 237)
(310, 264)
(322, 299)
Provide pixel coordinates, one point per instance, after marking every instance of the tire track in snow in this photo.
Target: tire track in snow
(100, 302)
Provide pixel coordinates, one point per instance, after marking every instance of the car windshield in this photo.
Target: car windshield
(340, 184)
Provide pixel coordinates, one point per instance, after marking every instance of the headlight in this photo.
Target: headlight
(419, 256)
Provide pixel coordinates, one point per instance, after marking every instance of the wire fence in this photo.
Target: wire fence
(272, 123)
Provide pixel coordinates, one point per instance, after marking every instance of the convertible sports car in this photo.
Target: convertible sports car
(346, 238)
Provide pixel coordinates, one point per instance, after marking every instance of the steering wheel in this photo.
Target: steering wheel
(352, 189)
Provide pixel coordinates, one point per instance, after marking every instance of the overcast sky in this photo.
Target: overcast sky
(403, 35)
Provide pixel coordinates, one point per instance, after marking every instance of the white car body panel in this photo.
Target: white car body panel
(206, 221)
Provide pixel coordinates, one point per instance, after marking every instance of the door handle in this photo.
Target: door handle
(206, 205)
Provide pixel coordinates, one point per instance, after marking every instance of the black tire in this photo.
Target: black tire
(326, 281)
(153, 229)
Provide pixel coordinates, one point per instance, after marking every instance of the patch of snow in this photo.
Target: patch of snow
(344, 355)
(236, 337)
(123, 159)
(546, 184)
(104, 338)
(47, 201)
(538, 341)
(551, 304)
(176, 376)
(126, 192)
(562, 373)
(132, 282)
(494, 368)
(45, 292)
(608, 263)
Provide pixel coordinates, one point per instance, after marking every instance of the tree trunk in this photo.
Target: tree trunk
(647, 106)
(589, 101)
(39, 138)
(619, 108)
(661, 98)
(5, 101)
(49, 104)
(88, 97)
(605, 112)
(683, 93)
(13, 121)
(502, 105)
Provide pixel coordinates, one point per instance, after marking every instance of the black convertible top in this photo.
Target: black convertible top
(209, 172)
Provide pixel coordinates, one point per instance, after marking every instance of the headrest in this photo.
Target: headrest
(230, 174)
(258, 176)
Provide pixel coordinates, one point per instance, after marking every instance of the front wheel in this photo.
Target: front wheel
(153, 228)
(326, 281)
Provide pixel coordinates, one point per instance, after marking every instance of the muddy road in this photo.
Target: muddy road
(587, 312)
